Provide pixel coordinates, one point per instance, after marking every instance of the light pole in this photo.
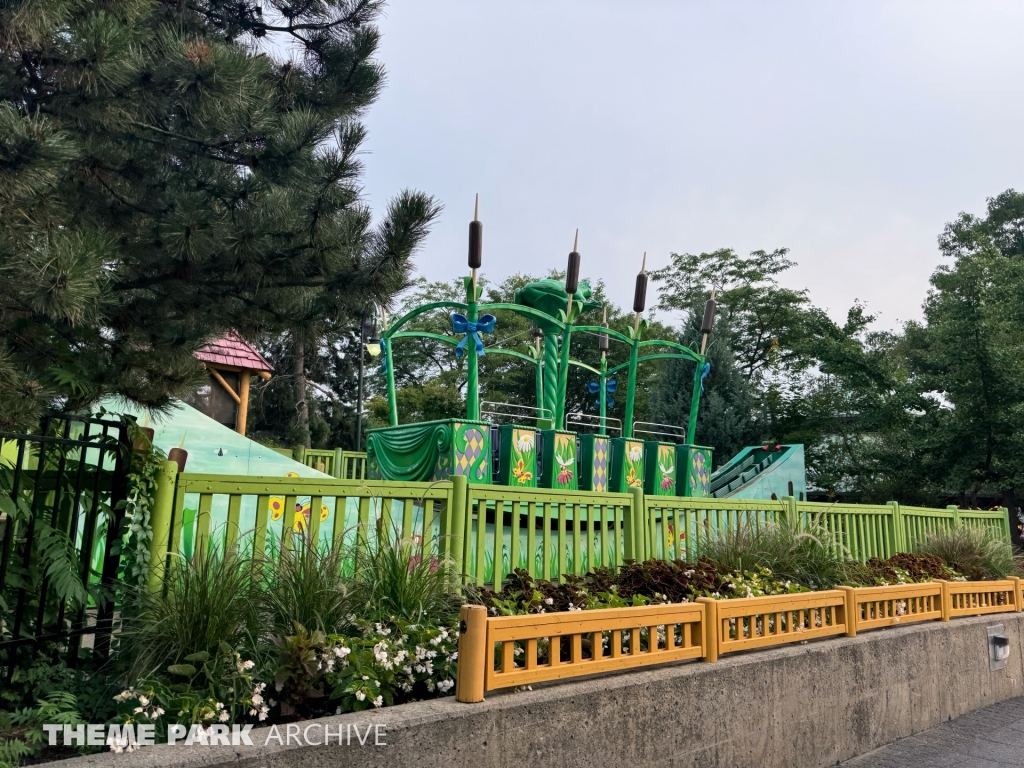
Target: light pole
(368, 338)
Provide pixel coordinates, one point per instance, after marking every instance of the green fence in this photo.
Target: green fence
(487, 531)
(344, 465)
(674, 524)
(258, 515)
(548, 533)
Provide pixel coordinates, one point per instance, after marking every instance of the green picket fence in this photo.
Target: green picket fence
(488, 531)
(258, 515)
(675, 524)
(344, 465)
(548, 533)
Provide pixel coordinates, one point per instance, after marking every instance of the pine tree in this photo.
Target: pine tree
(166, 173)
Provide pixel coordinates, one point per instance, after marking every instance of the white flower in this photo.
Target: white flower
(366, 677)
(224, 716)
(361, 696)
(377, 683)
(525, 442)
(445, 685)
(137, 710)
(143, 701)
(379, 701)
(636, 453)
(341, 651)
(549, 601)
(158, 712)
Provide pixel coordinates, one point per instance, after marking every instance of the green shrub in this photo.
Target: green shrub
(392, 582)
(305, 587)
(976, 553)
(208, 600)
(810, 558)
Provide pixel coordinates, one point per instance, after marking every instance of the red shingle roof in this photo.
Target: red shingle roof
(232, 349)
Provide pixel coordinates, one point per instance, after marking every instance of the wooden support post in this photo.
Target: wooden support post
(160, 519)
(850, 612)
(243, 401)
(710, 623)
(469, 682)
(947, 600)
(1018, 599)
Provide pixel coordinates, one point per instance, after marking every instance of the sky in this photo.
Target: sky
(849, 133)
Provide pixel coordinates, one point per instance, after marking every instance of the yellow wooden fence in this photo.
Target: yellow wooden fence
(507, 651)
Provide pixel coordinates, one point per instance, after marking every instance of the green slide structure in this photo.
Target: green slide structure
(762, 472)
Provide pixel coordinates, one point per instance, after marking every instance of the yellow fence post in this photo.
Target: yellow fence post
(160, 519)
(710, 628)
(947, 600)
(1018, 599)
(469, 681)
(850, 612)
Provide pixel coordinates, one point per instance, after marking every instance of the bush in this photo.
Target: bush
(305, 587)
(901, 568)
(810, 558)
(393, 582)
(208, 600)
(974, 552)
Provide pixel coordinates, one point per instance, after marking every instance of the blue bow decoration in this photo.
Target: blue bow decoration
(609, 386)
(461, 325)
(703, 375)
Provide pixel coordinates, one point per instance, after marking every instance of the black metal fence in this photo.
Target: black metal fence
(61, 492)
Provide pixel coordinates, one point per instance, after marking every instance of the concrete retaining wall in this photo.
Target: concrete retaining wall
(805, 705)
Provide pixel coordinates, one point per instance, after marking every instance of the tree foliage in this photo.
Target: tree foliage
(169, 171)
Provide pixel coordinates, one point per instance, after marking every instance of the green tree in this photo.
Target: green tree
(163, 179)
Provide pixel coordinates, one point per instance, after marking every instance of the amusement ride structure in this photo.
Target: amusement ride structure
(544, 446)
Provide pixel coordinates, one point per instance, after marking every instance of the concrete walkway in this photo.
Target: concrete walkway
(987, 738)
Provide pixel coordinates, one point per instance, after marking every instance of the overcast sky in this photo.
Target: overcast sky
(849, 133)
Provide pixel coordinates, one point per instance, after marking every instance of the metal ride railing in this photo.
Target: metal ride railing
(519, 412)
(679, 435)
(590, 421)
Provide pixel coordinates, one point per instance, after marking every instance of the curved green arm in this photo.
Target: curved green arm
(601, 329)
(687, 352)
(662, 356)
(425, 335)
(530, 312)
(578, 364)
(394, 326)
(449, 340)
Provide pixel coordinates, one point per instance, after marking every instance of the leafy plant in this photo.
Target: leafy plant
(204, 688)
(21, 732)
(974, 552)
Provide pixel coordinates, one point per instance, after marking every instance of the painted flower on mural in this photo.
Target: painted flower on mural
(525, 442)
(564, 472)
(666, 477)
(635, 453)
(632, 479)
(520, 474)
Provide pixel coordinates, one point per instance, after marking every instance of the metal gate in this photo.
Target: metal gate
(62, 492)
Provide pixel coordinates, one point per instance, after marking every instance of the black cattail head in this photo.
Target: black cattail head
(476, 238)
(476, 243)
(709, 317)
(640, 295)
(572, 272)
